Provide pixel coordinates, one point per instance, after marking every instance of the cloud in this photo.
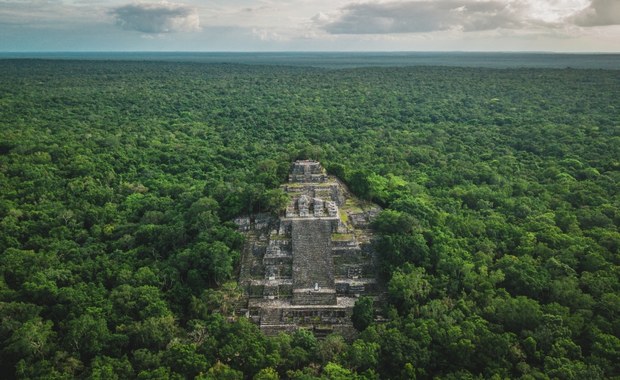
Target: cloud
(157, 18)
(599, 13)
(429, 16)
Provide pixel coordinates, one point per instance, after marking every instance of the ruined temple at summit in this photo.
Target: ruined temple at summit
(306, 268)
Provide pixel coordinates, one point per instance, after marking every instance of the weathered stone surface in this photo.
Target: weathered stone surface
(312, 259)
(306, 268)
(307, 171)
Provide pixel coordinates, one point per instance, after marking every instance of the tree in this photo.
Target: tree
(152, 332)
(331, 348)
(243, 346)
(32, 340)
(408, 287)
(360, 185)
(88, 335)
(267, 374)
(221, 371)
(515, 314)
(333, 371)
(220, 260)
(267, 173)
(105, 367)
(393, 222)
(523, 275)
(275, 200)
(363, 355)
(183, 359)
(363, 313)
(206, 263)
(339, 170)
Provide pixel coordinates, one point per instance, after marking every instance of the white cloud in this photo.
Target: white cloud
(157, 18)
(599, 13)
(427, 16)
(424, 16)
(40, 14)
(268, 34)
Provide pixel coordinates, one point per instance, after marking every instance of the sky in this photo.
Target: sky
(310, 25)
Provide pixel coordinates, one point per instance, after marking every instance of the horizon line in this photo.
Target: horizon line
(304, 51)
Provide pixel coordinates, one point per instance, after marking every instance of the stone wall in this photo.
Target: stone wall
(307, 171)
(310, 296)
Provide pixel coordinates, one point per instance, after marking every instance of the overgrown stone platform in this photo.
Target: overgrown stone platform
(306, 268)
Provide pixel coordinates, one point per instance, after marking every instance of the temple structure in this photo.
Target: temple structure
(307, 267)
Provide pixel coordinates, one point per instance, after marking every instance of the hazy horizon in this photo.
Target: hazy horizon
(353, 59)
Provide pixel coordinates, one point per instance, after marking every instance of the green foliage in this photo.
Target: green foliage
(267, 374)
(523, 275)
(498, 241)
(333, 371)
(360, 184)
(221, 371)
(183, 359)
(363, 313)
(275, 200)
(331, 348)
(363, 355)
(393, 222)
(31, 340)
(409, 288)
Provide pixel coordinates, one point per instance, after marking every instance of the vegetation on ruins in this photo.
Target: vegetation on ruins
(499, 243)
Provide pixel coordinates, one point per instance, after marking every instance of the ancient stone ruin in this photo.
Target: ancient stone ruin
(306, 268)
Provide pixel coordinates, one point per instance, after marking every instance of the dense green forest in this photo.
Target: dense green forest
(499, 242)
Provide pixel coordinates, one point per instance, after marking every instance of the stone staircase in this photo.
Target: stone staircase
(271, 317)
(312, 259)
